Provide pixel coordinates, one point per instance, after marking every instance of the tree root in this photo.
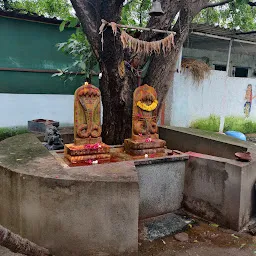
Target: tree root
(17, 244)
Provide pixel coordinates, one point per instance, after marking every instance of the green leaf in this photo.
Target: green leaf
(73, 22)
(62, 25)
(82, 65)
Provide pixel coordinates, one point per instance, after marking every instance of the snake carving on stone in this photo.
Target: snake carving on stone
(87, 112)
(144, 111)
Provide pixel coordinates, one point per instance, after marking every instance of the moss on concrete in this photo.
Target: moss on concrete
(21, 149)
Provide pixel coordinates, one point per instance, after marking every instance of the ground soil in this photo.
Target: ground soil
(204, 240)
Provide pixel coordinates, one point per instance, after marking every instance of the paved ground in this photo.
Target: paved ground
(204, 240)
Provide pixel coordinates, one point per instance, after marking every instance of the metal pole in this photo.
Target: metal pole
(223, 38)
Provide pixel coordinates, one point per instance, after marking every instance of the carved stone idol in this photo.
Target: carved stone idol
(87, 127)
(53, 138)
(145, 138)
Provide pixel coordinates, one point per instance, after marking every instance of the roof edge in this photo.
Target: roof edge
(29, 17)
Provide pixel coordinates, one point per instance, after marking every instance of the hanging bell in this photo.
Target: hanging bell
(156, 9)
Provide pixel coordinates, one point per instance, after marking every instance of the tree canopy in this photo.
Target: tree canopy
(237, 14)
(49, 8)
(234, 14)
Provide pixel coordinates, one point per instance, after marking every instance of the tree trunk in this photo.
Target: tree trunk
(117, 90)
(17, 244)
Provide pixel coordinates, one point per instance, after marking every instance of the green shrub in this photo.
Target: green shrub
(211, 123)
(239, 124)
(9, 132)
(232, 123)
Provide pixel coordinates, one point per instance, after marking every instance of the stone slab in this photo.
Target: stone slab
(161, 187)
(79, 141)
(74, 150)
(141, 152)
(40, 125)
(78, 159)
(138, 145)
(166, 225)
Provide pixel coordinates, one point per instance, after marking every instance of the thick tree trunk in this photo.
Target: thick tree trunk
(15, 243)
(117, 91)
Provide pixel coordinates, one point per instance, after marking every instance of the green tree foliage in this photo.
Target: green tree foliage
(237, 14)
(135, 12)
(79, 48)
(49, 8)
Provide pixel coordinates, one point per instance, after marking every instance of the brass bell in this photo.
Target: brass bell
(156, 9)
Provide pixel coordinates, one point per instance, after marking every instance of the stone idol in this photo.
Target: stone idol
(88, 144)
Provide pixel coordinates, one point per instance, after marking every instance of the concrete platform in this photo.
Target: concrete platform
(72, 211)
(84, 210)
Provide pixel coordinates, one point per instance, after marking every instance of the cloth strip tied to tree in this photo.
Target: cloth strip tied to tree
(137, 45)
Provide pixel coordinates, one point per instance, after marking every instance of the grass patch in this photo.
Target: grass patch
(208, 124)
(9, 132)
(232, 123)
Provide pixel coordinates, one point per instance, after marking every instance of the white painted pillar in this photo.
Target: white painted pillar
(222, 117)
(180, 60)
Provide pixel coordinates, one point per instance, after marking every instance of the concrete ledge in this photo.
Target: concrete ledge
(161, 187)
(220, 190)
(72, 211)
(210, 143)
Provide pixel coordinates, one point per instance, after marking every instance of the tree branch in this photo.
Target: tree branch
(211, 5)
(16, 243)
